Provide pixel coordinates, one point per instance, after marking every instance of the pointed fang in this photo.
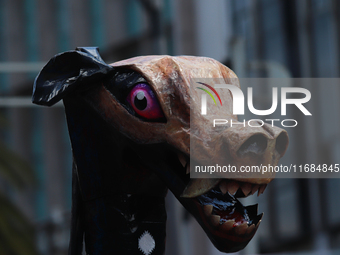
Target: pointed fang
(223, 187)
(215, 220)
(250, 229)
(233, 187)
(207, 210)
(241, 229)
(188, 168)
(182, 159)
(227, 226)
(246, 188)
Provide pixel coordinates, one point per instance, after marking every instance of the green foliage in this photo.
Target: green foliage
(16, 232)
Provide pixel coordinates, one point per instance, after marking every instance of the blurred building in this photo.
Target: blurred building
(256, 38)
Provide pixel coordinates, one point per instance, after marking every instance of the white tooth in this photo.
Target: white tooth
(188, 168)
(241, 229)
(227, 226)
(254, 189)
(257, 225)
(246, 188)
(208, 209)
(182, 159)
(261, 189)
(250, 229)
(215, 220)
(223, 187)
(233, 187)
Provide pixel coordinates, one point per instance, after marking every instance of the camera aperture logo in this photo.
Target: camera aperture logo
(238, 104)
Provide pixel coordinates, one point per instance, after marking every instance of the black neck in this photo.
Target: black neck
(121, 208)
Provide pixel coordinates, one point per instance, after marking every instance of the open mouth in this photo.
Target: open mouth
(218, 200)
(225, 215)
(229, 223)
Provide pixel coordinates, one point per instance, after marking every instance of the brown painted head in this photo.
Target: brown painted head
(171, 79)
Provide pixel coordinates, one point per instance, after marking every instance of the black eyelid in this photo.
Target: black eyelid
(121, 83)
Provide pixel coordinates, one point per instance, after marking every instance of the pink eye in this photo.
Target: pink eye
(144, 102)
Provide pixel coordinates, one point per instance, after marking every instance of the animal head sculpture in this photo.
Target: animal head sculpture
(129, 125)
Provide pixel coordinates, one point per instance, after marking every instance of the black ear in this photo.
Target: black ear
(67, 71)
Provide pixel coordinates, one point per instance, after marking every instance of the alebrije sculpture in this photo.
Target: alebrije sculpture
(129, 125)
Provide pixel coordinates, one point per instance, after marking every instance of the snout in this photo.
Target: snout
(252, 150)
(259, 144)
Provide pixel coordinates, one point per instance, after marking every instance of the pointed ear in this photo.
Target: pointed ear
(66, 72)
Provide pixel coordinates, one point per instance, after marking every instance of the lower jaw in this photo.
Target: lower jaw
(230, 231)
(224, 242)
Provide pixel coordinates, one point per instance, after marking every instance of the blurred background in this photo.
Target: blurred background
(256, 38)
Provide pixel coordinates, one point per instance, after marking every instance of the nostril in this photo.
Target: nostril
(256, 144)
(282, 143)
